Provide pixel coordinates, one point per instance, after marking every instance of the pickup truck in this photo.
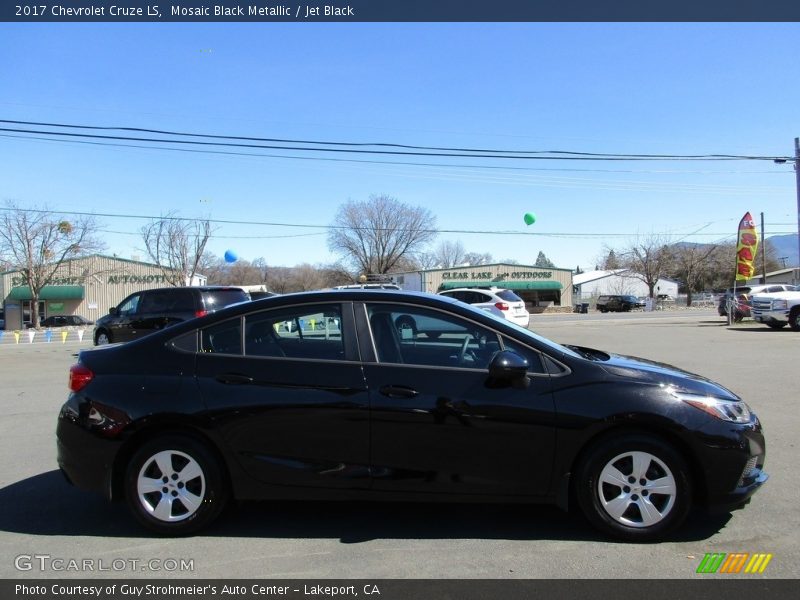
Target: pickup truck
(777, 309)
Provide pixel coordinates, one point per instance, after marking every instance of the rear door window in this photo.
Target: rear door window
(222, 338)
(308, 332)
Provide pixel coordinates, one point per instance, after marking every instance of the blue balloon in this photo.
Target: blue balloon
(230, 256)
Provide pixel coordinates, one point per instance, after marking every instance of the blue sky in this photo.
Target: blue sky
(620, 88)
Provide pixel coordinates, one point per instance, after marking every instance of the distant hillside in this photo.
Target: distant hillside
(785, 247)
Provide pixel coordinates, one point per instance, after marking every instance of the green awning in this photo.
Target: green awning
(48, 292)
(509, 285)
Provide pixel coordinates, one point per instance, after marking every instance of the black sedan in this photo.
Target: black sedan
(325, 395)
(66, 321)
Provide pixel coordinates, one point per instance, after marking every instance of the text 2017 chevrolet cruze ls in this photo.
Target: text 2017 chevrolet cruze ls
(325, 395)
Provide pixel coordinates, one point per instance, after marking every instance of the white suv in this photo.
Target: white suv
(501, 302)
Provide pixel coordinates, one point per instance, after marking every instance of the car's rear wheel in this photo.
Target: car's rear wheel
(634, 487)
(102, 337)
(174, 485)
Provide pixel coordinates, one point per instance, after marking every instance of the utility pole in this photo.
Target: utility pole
(763, 252)
(797, 177)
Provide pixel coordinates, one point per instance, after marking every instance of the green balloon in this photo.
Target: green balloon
(530, 218)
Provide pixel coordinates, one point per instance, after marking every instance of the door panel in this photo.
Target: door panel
(288, 420)
(440, 424)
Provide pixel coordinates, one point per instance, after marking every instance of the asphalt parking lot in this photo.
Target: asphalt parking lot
(43, 516)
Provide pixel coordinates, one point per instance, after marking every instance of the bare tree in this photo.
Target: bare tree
(648, 259)
(690, 264)
(374, 235)
(478, 258)
(36, 242)
(176, 246)
(279, 280)
(449, 254)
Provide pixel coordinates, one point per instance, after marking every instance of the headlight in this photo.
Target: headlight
(779, 305)
(727, 410)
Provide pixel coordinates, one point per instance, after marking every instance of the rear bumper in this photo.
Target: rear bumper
(85, 459)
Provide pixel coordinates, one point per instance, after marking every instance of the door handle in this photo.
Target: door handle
(234, 379)
(398, 391)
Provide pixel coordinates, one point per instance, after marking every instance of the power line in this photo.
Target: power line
(402, 163)
(328, 227)
(542, 182)
(352, 147)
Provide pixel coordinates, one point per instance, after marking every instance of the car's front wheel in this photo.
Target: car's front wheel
(635, 487)
(174, 485)
(794, 318)
(102, 337)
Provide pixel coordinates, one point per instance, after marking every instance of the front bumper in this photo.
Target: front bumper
(767, 316)
(733, 457)
(740, 497)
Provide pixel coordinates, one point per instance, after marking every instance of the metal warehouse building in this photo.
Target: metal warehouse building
(87, 286)
(541, 288)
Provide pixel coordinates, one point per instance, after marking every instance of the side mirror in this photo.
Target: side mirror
(510, 367)
(113, 311)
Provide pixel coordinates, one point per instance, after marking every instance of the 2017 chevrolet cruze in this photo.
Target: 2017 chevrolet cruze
(324, 395)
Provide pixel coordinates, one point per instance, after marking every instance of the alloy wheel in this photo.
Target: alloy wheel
(636, 489)
(171, 486)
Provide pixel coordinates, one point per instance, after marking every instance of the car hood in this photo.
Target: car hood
(650, 372)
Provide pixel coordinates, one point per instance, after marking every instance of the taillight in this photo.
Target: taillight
(200, 313)
(501, 305)
(79, 377)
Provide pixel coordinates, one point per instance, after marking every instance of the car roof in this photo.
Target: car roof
(492, 289)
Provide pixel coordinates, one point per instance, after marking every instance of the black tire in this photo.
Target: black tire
(102, 337)
(624, 510)
(193, 495)
(794, 318)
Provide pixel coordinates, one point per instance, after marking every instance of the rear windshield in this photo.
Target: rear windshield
(508, 296)
(216, 299)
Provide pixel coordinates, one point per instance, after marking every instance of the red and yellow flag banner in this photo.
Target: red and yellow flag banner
(746, 247)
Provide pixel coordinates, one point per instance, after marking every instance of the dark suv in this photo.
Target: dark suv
(618, 303)
(150, 310)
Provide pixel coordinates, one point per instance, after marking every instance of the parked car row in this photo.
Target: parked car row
(739, 299)
(144, 312)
